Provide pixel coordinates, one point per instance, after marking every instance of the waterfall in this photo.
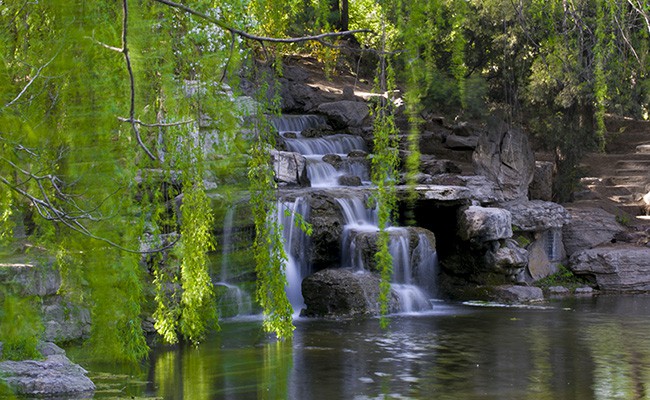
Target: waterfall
(296, 246)
(235, 301)
(319, 172)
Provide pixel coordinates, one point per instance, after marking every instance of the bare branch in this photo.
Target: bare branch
(125, 51)
(260, 38)
(117, 49)
(38, 72)
(191, 121)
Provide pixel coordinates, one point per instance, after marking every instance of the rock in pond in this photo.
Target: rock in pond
(342, 292)
(54, 376)
(616, 268)
(517, 294)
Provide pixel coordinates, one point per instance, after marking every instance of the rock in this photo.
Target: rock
(509, 257)
(54, 376)
(31, 279)
(585, 290)
(333, 159)
(518, 294)
(589, 227)
(479, 187)
(348, 93)
(290, 168)
(537, 215)
(349, 180)
(545, 253)
(504, 156)
(463, 129)
(320, 131)
(64, 321)
(342, 292)
(299, 97)
(559, 290)
(615, 268)
(358, 154)
(483, 224)
(345, 113)
(541, 187)
(327, 223)
(456, 142)
(436, 167)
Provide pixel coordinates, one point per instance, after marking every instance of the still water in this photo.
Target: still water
(585, 348)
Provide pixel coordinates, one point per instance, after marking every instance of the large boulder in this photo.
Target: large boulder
(479, 188)
(290, 168)
(509, 257)
(327, 223)
(537, 215)
(615, 268)
(504, 156)
(54, 376)
(345, 113)
(483, 224)
(64, 321)
(588, 228)
(541, 187)
(342, 292)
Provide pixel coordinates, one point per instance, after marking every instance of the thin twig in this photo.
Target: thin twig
(30, 82)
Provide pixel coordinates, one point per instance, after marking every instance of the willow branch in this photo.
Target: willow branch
(257, 38)
(158, 125)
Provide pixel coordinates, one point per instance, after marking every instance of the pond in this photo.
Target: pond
(582, 348)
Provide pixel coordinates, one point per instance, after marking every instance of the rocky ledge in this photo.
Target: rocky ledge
(55, 376)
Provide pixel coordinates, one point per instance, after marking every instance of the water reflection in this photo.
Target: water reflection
(596, 349)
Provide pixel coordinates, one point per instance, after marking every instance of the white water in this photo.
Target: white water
(235, 297)
(413, 270)
(319, 172)
(296, 246)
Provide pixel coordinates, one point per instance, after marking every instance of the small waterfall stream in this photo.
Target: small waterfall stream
(235, 299)
(328, 159)
(296, 246)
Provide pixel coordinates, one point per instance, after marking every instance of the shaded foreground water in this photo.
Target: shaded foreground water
(589, 348)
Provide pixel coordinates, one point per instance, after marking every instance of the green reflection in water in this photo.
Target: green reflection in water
(620, 352)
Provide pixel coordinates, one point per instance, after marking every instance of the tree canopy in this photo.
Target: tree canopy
(102, 102)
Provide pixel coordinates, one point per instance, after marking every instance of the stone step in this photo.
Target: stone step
(643, 165)
(625, 180)
(633, 172)
(643, 149)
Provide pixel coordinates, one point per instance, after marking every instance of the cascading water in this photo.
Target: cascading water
(236, 300)
(296, 244)
(414, 269)
(320, 172)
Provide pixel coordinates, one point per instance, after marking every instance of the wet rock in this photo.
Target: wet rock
(324, 130)
(584, 291)
(589, 227)
(483, 224)
(357, 154)
(615, 268)
(518, 294)
(504, 156)
(327, 223)
(290, 168)
(541, 187)
(342, 292)
(349, 180)
(54, 376)
(345, 113)
(333, 159)
(558, 291)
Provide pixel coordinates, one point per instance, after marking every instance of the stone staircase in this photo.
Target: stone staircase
(621, 177)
